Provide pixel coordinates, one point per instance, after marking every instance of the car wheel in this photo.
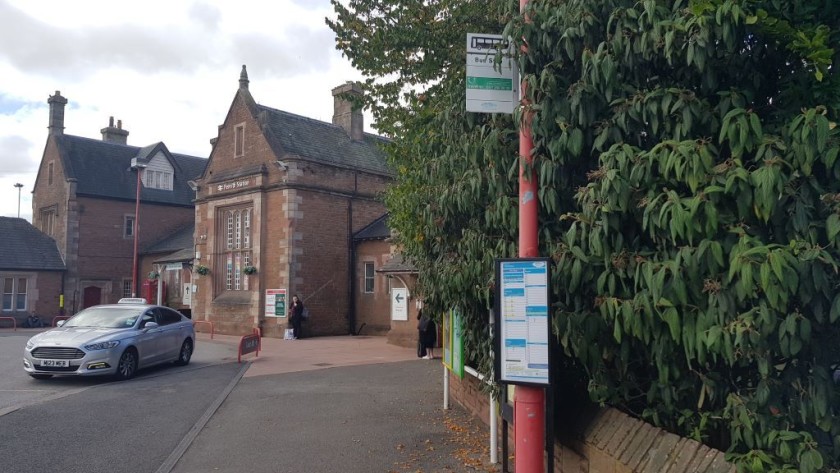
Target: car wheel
(185, 354)
(127, 366)
(41, 376)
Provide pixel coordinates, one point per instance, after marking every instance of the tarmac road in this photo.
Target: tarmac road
(348, 404)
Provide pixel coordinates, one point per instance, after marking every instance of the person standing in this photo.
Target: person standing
(296, 316)
(428, 335)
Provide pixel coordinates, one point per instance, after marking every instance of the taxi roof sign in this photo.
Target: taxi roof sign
(132, 300)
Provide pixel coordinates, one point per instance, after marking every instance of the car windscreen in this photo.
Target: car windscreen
(105, 317)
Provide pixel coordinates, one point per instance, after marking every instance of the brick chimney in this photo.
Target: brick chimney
(114, 135)
(346, 114)
(57, 103)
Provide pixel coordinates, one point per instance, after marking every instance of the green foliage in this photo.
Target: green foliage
(689, 190)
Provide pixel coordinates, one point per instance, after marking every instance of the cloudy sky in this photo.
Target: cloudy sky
(168, 69)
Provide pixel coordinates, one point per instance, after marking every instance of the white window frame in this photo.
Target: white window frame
(126, 287)
(235, 251)
(369, 278)
(15, 297)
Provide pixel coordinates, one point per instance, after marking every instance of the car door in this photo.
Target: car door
(149, 339)
(171, 338)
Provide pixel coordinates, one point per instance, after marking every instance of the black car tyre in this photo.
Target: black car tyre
(185, 354)
(41, 376)
(127, 366)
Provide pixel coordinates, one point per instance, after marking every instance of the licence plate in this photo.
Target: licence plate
(56, 363)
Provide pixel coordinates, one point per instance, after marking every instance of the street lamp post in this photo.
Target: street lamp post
(19, 187)
(137, 166)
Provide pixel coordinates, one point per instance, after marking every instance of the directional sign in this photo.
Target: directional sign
(399, 304)
(491, 87)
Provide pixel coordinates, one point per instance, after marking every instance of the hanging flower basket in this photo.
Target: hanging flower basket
(153, 275)
(202, 270)
(249, 270)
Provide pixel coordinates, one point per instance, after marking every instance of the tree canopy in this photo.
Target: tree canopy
(689, 187)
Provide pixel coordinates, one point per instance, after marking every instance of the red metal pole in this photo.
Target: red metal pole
(528, 402)
(134, 289)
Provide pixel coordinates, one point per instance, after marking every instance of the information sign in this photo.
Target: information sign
(491, 88)
(399, 304)
(453, 343)
(522, 322)
(275, 302)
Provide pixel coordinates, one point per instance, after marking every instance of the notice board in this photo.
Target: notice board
(523, 336)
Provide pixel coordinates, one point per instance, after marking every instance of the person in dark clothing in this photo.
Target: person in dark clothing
(428, 335)
(296, 317)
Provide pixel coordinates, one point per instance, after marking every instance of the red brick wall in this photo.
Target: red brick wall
(372, 309)
(42, 295)
(105, 255)
(608, 442)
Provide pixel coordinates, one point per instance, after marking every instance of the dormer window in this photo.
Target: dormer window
(154, 179)
(239, 141)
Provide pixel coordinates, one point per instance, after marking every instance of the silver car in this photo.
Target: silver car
(115, 339)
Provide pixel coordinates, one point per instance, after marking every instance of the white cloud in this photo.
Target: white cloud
(168, 70)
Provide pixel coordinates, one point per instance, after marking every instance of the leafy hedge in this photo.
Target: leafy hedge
(689, 185)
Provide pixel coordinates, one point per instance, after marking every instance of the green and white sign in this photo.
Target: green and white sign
(491, 88)
(453, 343)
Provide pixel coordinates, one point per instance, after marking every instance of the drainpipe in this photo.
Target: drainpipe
(351, 270)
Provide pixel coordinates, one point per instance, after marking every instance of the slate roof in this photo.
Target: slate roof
(322, 141)
(103, 169)
(377, 230)
(397, 265)
(175, 241)
(24, 247)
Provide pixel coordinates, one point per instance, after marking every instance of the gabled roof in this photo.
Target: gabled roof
(24, 247)
(103, 169)
(376, 230)
(321, 141)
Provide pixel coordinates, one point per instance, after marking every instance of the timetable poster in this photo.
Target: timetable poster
(522, 301)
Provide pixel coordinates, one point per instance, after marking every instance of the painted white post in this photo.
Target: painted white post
(494, 429)
(445, 388)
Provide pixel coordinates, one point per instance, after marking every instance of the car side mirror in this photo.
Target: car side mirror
(150, 325)
(60, 323)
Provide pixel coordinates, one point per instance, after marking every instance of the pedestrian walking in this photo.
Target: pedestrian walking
(296, 316)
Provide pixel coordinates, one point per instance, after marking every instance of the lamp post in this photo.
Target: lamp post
(137, 166)
(19, 187)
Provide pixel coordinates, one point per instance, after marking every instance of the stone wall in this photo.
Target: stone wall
(606, 441)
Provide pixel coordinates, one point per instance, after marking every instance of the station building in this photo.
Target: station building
(276, 210)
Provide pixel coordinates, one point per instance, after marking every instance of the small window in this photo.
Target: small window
(128, 226)
(369, 278)
(48, 221)
(14, 294)
(126, 288)
(50, 173)
(239, 141)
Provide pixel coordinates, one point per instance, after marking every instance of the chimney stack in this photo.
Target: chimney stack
(347, 101)
(114, 135)
(57, 103)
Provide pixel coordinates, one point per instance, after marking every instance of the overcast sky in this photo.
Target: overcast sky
(168, 69)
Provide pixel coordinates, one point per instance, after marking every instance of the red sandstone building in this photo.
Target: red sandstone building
(276, 211)
(84, 198)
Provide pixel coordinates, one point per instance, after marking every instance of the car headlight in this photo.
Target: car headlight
(30, 344)
(102, 345)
